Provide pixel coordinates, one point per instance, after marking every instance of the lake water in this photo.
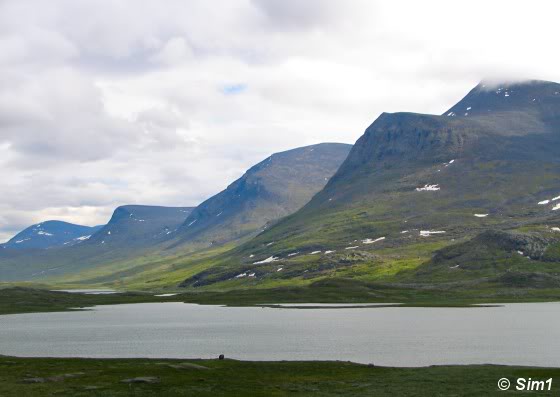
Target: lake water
(521, 334)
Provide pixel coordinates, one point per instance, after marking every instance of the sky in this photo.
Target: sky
(112, 102)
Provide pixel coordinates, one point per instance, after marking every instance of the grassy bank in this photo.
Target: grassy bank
(96, 377)
(29, 300)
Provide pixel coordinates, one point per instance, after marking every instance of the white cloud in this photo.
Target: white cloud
(104, 103)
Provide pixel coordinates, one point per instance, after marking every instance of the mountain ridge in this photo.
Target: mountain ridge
(417, 180)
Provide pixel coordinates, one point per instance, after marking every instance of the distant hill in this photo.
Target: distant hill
(131, 231)
(416, 183)
(268, 191)
(50, 234)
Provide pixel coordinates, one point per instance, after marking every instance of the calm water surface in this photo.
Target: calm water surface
(522, 334)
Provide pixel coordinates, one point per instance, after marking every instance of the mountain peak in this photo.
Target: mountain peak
(492, 96)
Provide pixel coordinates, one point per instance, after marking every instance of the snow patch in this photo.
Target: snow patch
(166, 295)
(351, 248)
(42, 233)
(329, 252)
(267, 260)
(481, 215)
(428, 233)
(293, 254)
(428, 188)
(544, 202)
(315, 252)
(556, 207)
(370, 241)
(83, 238)
(192, 223)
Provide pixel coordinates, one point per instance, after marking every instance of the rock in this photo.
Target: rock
(142, 379)
(34, 380)
(221, 357)
(188, 366)
(60, 378)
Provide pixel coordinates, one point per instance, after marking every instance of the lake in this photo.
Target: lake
(516, 334)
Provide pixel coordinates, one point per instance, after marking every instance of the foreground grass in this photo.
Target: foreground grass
(103, 377)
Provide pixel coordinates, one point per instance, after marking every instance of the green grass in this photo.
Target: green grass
(98, 377)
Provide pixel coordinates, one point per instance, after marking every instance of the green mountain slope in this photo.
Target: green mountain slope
(412, 185)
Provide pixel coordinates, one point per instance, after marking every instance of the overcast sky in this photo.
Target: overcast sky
(104, 103)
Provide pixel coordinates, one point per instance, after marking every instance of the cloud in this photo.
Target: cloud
(104, 103)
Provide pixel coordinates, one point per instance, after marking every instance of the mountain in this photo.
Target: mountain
(50, 234)
(138, 237)
(268, 191)
(131, 232)
(139, 226)
(415, 184)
